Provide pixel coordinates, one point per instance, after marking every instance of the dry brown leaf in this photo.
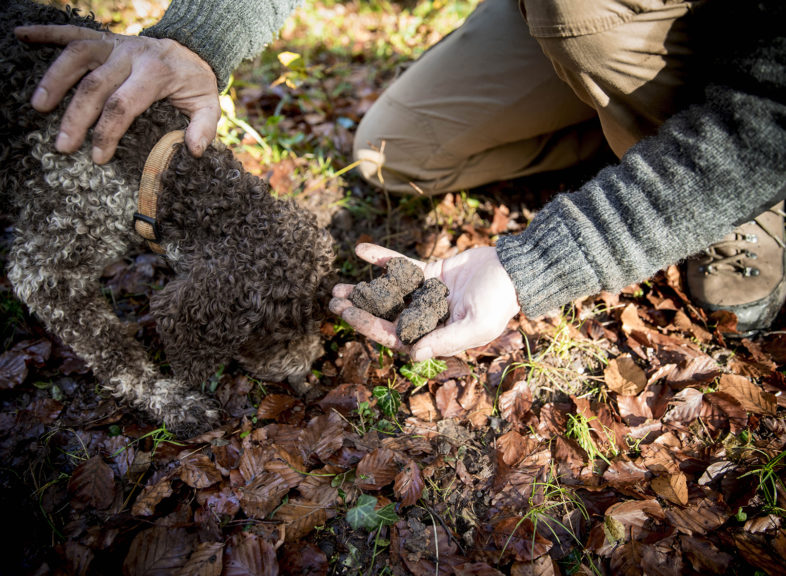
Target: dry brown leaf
(205, 560)
(252, 461)
(198, 471)
(749, 395)
(624, 376)
(146, 502)
(263, 494)
(721, 411)
(345, 398)
(702, 517)
(273, 405)
(672, 487)
(514, 447)
(630, 319)
(543, 566)
(447, 400)
(247, 554)
(408, 485)
(476, 569)
(158, 550)
(423, 407)
(686, 407)
(219, 500)
(13, 369)
(624, 474)
(516, 403)
(634, 518)
(704, 556)
(323, 436)
(518, 537)
(301, 516)
(376, 469)
(92, 484)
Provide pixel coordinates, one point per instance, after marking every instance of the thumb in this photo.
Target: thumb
(201, 130)
(450, 340)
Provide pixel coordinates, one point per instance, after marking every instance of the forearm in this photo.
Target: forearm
(223, 32)
(709, 168)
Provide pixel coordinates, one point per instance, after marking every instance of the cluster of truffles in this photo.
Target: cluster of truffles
(385, 297)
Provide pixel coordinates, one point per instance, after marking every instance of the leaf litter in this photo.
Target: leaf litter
(625, 434)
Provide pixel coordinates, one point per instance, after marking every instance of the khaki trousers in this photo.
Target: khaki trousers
(505, 96)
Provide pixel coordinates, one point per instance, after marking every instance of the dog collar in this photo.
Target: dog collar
(157, 162)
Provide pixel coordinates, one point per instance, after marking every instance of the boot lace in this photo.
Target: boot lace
(733, 256)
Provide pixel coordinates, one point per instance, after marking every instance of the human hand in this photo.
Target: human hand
(482, 299)
(118, 78)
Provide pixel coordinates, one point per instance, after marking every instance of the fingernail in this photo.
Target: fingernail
(98, 155)
(62, 142)
(203, 144)
(421, 354)
(39, 98)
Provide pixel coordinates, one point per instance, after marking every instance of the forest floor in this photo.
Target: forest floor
(626, 434)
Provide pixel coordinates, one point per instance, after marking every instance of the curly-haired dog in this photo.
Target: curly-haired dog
(252, 272)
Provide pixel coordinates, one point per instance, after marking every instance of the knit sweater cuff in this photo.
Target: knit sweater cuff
(223, 32)
(548, 267)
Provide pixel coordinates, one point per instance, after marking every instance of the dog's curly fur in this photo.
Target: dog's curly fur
(252, 272)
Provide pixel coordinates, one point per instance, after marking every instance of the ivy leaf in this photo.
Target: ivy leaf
(421, 372)
(363, 515)
(388, 400)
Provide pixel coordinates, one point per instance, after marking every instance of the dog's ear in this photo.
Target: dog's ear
(202, 320)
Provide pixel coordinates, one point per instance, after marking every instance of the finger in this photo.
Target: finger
(374, 328)
(119, 112)
(379, 255)
(450, 340)
(92, 98)
(343, 290)
(56, 34)
(78, 58)
(202, 129)
(338, 305)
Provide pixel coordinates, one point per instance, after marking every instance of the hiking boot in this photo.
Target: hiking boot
(744, 272)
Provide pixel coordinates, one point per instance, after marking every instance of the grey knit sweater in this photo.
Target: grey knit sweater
(718, 163)
(223, 32)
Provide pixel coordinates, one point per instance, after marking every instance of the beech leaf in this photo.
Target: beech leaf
(624, 376)
(92, 484)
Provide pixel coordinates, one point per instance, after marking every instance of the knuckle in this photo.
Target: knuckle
(116, 107)
(91, 84)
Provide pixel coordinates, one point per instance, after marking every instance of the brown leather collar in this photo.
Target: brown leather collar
(157, 162)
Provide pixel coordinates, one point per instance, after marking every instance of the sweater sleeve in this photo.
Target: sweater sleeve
(711, 167)
(223, 32)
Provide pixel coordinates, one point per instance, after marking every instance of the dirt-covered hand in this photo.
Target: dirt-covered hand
(118, 78)
(482, 299)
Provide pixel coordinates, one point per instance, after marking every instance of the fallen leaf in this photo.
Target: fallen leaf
(423, 407)
(146, 502)
(672, 487)
(247, 554)
(751, 397)
(704, 556)
(516, 403)
(205, 560)
(624, 376)
(13, 369)
(158, 550)
(198, 471)
(376, 469)
(518, 537)
(408, 485)
(92, 484)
